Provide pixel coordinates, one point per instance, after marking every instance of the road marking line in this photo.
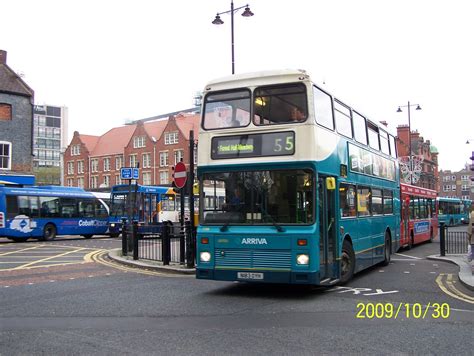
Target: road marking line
(23, 249)
(49, 258)
(439, 281)
(451, 286)
(412, 257)
(99, 257)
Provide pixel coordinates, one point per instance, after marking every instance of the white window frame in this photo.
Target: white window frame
(94, 181)
(164, 158)
(118, 162)
(94, 166)
(146, 160)
(80, 167)
(139, 142)
(171, 138)
(70, 167)
(164, 177)
(132, 160)
(9, 157)
(106, 180)
(106, 164)
(146, 177)
(178, 155)
(75, 150)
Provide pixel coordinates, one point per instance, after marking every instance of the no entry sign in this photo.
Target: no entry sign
(180, 175)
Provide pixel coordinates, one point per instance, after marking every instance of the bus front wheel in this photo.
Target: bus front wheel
(347, 262)
(87, 236)
(49, 232)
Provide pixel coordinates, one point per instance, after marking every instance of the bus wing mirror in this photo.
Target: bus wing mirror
(330, 183)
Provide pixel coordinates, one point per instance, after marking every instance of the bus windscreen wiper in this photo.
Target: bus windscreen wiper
(265, 214)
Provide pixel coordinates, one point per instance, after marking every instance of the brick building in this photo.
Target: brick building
(16, 121)
(94, 162)
(457, 184)
(425, 153)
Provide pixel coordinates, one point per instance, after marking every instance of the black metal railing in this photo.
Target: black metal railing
(166, 243)
(452, 242)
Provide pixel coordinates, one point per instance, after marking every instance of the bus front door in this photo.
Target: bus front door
(327, 228)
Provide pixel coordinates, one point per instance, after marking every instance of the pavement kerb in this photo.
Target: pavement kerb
(465, 274)
(116, 255)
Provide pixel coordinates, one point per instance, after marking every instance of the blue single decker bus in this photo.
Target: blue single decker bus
(44, 212)
(310, 185)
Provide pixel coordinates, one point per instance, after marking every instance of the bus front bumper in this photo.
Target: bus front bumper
(257, 276)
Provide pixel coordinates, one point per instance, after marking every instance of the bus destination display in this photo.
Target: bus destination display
(255, 145)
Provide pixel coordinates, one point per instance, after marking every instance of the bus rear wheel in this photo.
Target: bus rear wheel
(387, 250)
(49, 232)
(347, 262)
(87, 236)
(411, 242)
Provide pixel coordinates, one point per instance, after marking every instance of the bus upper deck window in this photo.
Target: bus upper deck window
(226, 109)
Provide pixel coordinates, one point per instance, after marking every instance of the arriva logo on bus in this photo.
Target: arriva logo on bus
(254, 241)
(92, 223)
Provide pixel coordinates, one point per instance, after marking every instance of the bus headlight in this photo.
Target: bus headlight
(205, 256)
(112, 225)
(302, 259)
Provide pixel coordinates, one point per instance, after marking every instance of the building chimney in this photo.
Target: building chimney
(3, 56)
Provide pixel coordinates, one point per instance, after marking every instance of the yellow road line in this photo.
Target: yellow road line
(16, 251)
(99, 257)
(451, 285)
(461, 296)
(49, 258)
(89, 257)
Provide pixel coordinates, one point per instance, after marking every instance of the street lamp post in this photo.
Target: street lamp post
(410, 154)
(218, 21)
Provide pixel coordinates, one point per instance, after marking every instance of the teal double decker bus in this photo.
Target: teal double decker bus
(309, 186)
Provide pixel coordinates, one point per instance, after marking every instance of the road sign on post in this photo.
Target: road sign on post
(180, 175)
(129, 173)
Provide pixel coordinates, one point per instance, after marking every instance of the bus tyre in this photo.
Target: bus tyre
(87, 236)
(431, 235)
(410, 243)
(347, 262)
(387, 251)
(49, 232)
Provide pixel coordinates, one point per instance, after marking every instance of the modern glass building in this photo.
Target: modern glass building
(49, 135)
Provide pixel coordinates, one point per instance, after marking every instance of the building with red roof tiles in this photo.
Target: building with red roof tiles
(94, 162)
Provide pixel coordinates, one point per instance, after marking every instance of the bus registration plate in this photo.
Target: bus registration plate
(250, 275)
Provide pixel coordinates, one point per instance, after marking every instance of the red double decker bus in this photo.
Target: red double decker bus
(419, 218)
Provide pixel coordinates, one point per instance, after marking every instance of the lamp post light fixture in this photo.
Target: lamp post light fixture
(410, 154)
(218, 21)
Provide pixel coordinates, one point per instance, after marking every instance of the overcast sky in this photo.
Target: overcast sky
(113, 60)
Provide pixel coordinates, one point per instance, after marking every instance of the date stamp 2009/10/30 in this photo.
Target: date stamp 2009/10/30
(402, 310)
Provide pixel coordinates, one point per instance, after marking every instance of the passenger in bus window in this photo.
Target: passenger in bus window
(234, 202)
(297, 114)
(45, 209)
